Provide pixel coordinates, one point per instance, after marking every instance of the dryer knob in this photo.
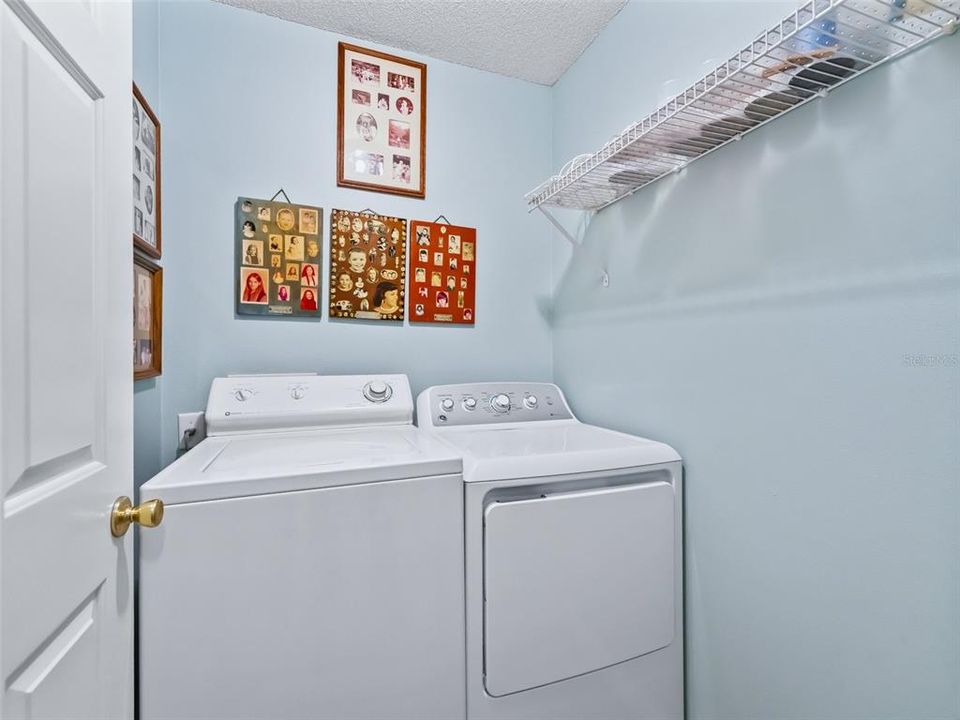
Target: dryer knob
(530, 402)
(377, 391)
(470, 403)
(500, 403)
(447, 404)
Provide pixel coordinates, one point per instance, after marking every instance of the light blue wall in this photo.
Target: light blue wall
(787, 314)
(146, 50)
(146, 393)
(249, 105)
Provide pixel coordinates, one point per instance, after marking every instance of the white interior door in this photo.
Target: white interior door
(66, 610)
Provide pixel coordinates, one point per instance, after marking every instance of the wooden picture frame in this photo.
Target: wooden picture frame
(147, 318)
(146, 177)
(381, 122)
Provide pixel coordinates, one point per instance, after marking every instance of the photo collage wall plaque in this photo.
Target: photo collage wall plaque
(147, 319)
(381, 122)
(443, 268)
(367, 266)
(146, 177)
(278, 258)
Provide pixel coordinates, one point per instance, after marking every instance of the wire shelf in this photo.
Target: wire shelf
(823, 44)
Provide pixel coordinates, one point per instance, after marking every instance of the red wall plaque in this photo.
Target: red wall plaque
(443, 273)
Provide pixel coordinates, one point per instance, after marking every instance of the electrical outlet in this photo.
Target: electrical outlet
(191, 429)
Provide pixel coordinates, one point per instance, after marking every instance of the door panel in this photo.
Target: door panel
(62, 126)
(575, 582)
(54, 253)
(65, 375)
(33, 605)
(37, 689)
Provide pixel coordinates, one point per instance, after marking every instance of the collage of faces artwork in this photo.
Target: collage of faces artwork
(279, 258)
(146, 198)
(381, 122)
(443, 266)
(367, 266)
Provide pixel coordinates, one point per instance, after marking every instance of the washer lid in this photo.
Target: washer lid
(256, 464)
(542, 449)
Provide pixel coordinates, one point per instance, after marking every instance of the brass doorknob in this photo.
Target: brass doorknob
(123, 513)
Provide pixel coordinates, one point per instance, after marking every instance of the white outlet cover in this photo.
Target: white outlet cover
(185, 423)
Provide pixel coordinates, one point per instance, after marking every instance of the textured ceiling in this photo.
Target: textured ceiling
(534, 40)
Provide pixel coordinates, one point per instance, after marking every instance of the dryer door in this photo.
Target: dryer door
(576, 582)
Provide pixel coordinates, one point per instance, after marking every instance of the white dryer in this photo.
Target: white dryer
(310, 560)
(573, 540)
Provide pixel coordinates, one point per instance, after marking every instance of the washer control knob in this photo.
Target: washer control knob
(447, 404)
(500, 403)
(377, 391)
(243, 394)
(469, 403)
(530, 401)
(297, 392)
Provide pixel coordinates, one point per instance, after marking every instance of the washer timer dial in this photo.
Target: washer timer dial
(500, 403)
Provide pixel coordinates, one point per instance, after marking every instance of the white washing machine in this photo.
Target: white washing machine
(573, 541)
(310, 560)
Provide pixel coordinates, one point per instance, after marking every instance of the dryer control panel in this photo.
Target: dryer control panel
(491, 403)
(267, 403)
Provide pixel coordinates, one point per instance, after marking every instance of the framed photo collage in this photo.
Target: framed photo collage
(443, 262)
(278, 258)
(381, 122)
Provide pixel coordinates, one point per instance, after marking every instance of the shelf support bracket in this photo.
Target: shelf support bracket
(563, 231)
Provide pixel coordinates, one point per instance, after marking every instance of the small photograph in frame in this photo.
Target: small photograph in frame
(146, 177)
(381, 144)
(147, 318)
(309, 221)
(254, 286)
(253, 252)
(293, 247)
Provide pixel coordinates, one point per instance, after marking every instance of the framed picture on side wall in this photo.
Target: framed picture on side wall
(147, 318)
(146, 176)
(381, 122)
